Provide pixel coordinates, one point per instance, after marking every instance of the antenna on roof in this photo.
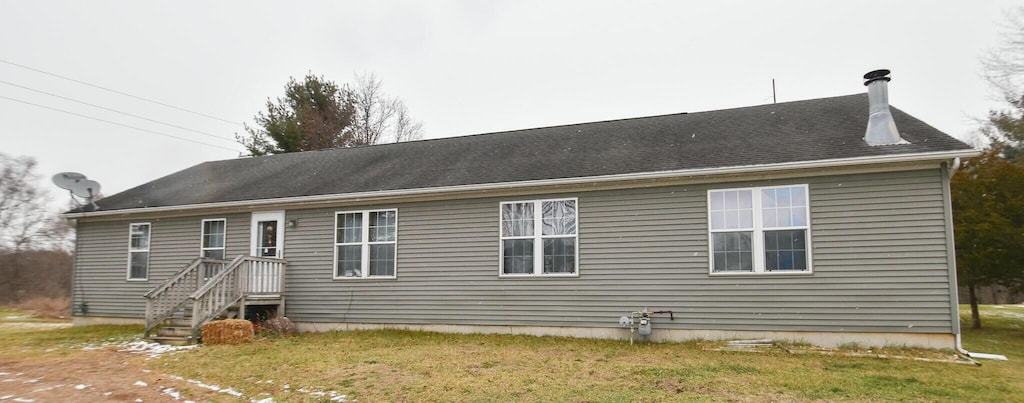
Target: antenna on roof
(774, 101)
(78, 185)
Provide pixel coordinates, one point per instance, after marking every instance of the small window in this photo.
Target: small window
(539, 237)
(365, 244)
(759, 230)
(213, 238)
(138, 251)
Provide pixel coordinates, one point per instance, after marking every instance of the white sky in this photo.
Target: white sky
(462, 67)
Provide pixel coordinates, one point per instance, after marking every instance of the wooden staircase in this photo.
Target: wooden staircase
(208, 289)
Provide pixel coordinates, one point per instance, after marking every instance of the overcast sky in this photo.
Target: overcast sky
(462, 67)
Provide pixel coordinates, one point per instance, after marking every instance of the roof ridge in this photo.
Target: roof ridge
(452, 138)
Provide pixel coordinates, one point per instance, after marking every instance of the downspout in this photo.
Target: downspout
(949, 171)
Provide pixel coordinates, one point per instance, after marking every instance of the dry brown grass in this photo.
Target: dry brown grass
(229, 331)
(47, 307)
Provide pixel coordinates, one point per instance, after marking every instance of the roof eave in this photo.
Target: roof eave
(384, 194)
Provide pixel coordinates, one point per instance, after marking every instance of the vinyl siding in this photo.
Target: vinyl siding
(101, 259)
(878, 241)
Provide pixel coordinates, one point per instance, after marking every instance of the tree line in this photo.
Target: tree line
(988, 191)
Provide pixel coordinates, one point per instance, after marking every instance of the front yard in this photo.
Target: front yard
(413, 366)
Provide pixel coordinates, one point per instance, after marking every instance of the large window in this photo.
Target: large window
(213, 238)
(538, 237)
(759, 230)
(138, 251)
(365, 244)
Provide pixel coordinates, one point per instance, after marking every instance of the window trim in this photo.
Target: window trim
(538, 240)
(149, 247)
(202, 237)
(364, 246)
(757, 236)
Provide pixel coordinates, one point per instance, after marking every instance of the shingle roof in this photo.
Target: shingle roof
(818, 129)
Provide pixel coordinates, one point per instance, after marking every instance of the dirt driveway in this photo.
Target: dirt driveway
(101, 375)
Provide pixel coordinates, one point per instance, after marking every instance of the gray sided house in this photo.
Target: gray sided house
(783, 221)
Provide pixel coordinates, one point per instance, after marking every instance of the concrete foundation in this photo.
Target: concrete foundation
(823, 339)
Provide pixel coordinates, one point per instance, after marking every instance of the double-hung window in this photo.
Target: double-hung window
(365, 243)
(759, 230)
(213, 238)
(539, 237)
(138, 251)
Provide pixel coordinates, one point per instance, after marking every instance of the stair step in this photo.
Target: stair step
(174, 331)
(173, 340)
(180, 322)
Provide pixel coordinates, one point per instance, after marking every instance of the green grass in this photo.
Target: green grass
(391, 365)
(400, 365)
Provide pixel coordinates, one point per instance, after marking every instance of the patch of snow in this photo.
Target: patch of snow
(5, 397)
(34, 380)
(141, 383)
(138, 400)
(81, 386)
(24, 400)
(154, 350)
(4, 373)
(267, 400)
(231, 392)
(107, 393)
(172, 393)
(214, 388)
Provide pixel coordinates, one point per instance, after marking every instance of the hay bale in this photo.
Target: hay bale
(229, 331)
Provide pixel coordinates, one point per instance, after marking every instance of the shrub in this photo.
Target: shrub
(48, 307)
(279, 325)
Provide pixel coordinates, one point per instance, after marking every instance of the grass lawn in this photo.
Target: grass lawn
(412, 366)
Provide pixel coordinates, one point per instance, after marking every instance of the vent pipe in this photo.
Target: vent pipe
(881, 128)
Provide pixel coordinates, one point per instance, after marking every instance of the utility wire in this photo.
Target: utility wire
(117, 111)
(119, 92)
(117, 124)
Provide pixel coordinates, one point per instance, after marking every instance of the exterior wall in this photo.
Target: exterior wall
(879, 260)
(101, 259)
(879, 253)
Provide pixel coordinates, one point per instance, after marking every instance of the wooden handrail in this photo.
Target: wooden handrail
(218, 277)
(167, 283)
(166, 298)
(226, 288)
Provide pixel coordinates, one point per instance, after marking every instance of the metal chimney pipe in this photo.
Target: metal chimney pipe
(881, 128)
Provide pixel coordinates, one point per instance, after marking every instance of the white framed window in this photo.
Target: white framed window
(138, 251)
(213, 235)
(759, 230)
(539, 237)
(365, 244)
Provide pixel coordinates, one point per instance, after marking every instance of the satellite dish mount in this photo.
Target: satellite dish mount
(78, 185)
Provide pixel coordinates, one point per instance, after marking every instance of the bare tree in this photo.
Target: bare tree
(1004, 65)
(26, 223)
(406, 129)
(380, 118)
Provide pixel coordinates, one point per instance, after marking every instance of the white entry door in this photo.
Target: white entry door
(268, 234)
(267, 241)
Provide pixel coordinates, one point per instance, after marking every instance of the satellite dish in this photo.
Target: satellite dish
(85, 188)
(67, 180)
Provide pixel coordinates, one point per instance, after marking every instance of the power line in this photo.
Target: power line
(117, 111)
(119, 92)
(117, 124)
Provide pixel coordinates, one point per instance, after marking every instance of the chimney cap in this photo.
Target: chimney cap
(880, 74)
